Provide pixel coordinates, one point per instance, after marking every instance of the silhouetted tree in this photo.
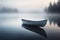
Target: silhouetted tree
(54, 8)
(50, 7)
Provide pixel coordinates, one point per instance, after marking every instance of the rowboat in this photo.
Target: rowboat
(34, 23)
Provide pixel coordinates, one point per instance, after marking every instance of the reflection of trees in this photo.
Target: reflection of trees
(55, 20)
(54, 8)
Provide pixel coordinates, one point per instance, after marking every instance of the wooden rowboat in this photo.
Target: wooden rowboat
(35, 23)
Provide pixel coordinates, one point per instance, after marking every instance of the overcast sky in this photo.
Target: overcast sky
(27, 4)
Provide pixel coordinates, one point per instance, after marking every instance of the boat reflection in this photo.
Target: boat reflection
(35, 29)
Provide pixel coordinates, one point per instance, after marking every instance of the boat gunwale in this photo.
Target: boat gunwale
(33, 21)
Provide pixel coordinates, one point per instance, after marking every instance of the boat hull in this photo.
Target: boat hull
(34, 23)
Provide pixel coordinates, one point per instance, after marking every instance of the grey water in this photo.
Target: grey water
(11, 27)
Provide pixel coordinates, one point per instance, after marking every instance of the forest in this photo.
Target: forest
(53, 8)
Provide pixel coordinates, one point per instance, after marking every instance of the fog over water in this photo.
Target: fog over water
(12, 24)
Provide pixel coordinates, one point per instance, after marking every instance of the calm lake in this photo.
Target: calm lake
(11, 27)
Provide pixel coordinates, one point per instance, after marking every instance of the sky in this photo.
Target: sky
(27, 4)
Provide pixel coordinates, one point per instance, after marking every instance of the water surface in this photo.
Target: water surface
(11, 26)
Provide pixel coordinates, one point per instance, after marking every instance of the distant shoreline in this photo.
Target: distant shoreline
(8, 10)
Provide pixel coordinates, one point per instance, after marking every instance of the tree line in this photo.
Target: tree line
(55, 7)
